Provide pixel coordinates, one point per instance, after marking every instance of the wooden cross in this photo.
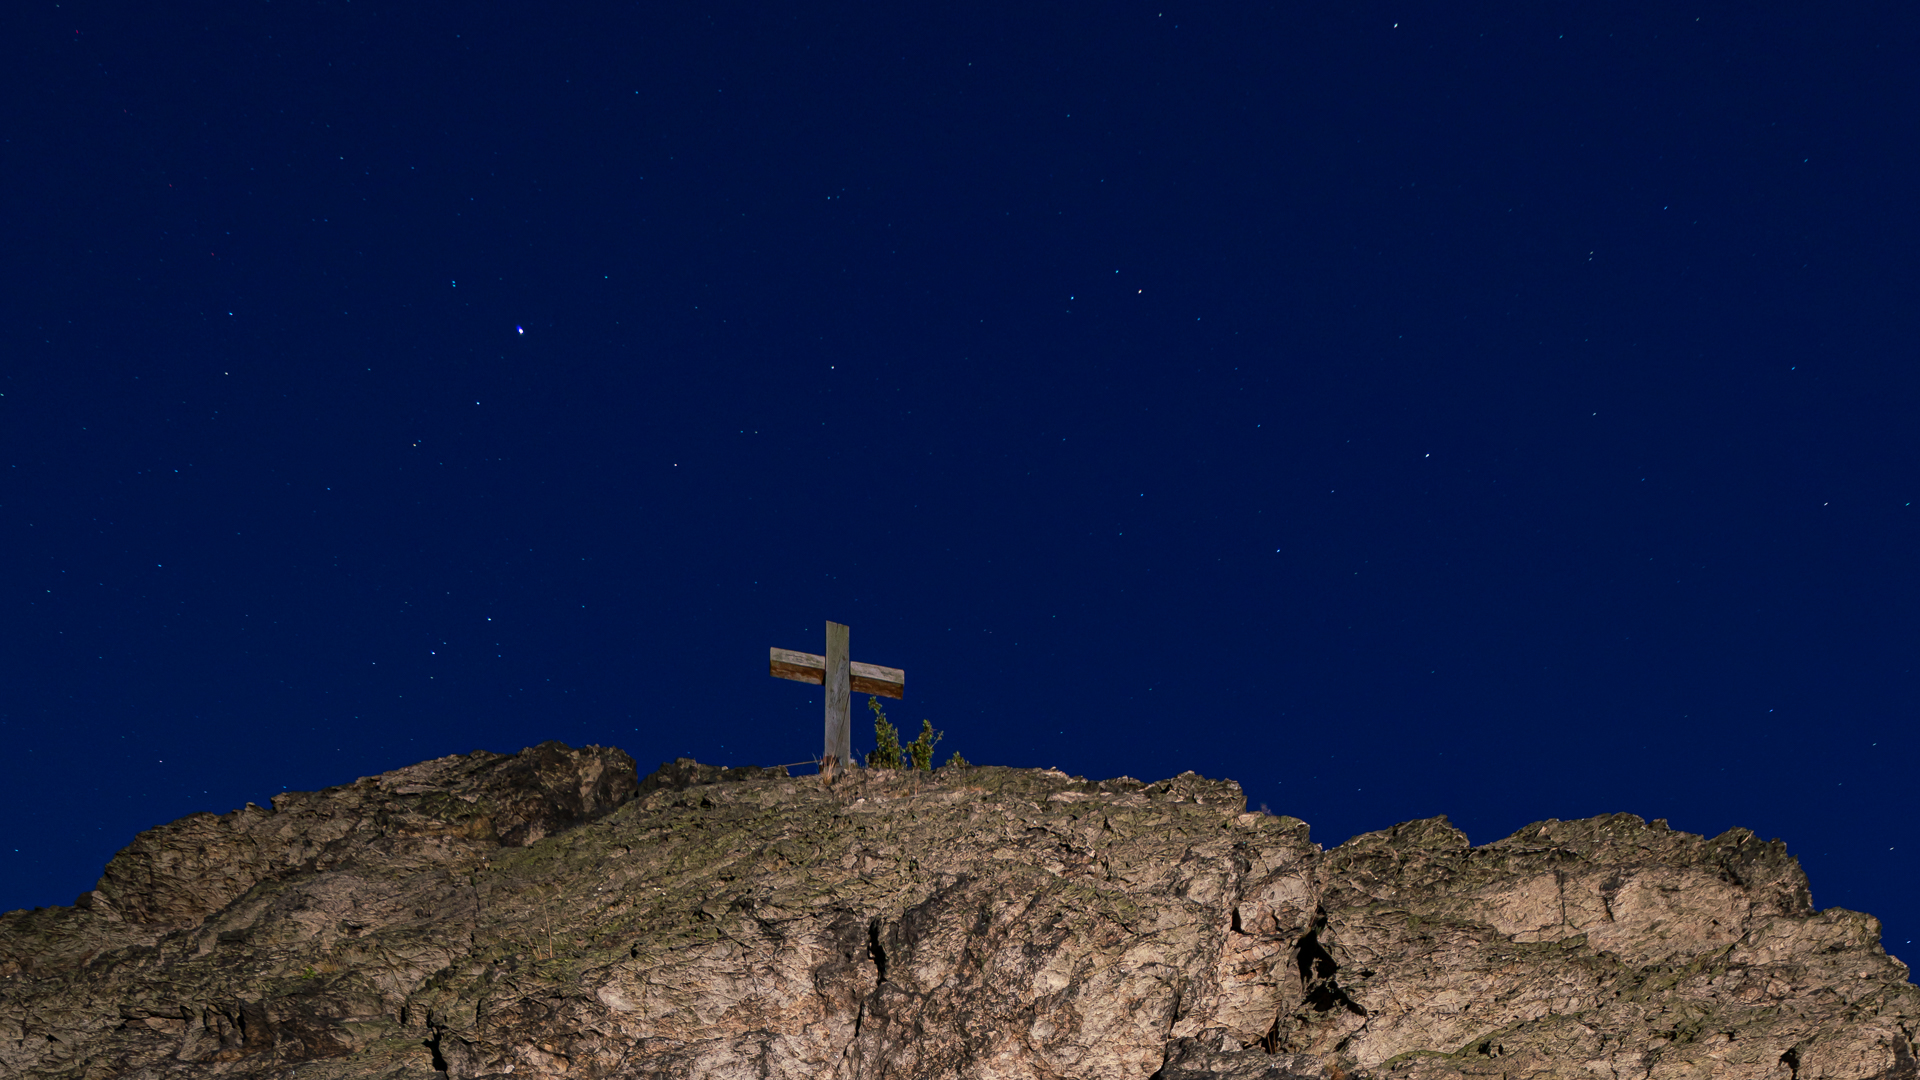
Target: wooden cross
(841, 676)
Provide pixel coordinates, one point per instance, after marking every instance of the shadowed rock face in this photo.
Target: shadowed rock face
(549, 914)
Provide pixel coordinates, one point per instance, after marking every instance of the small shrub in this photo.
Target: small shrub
(956, 759)
(922, 748)
(886, 752)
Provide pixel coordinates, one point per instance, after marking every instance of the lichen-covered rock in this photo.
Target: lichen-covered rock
(548, 914)
(180, 873)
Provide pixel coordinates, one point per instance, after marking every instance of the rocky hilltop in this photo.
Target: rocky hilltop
(549, 914)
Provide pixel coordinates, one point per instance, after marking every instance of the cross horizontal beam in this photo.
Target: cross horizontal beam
(809, 668)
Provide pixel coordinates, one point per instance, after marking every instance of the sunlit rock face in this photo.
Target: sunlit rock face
(550, 914)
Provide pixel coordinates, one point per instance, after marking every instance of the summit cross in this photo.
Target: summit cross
(841, 675)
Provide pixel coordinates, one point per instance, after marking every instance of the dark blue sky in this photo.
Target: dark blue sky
(1403, 410)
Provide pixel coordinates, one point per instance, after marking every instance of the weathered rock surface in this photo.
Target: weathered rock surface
(549, 914)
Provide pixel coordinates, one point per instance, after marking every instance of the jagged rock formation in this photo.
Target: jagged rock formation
(549, 914)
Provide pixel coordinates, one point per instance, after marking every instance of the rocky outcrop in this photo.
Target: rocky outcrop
(549, 914)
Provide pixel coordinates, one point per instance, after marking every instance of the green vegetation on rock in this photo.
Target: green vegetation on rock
(888, 752)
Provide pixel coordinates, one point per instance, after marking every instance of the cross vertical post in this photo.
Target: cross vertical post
(839, 696)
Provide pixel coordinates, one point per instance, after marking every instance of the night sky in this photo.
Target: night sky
(1504, 411)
